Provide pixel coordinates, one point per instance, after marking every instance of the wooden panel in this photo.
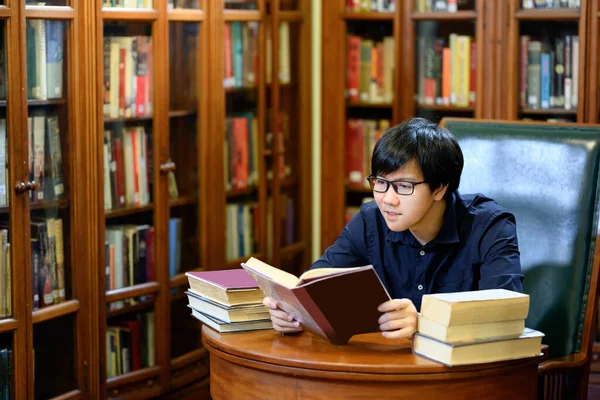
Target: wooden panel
(48, 12)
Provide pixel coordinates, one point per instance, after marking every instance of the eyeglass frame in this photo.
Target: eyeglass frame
(393, 184)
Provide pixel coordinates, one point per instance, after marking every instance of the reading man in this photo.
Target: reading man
(420, 234)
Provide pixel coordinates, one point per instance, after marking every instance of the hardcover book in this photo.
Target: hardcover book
(228, 287)
(335, 303)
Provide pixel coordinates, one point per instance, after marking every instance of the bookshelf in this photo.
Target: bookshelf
(540, 34)
(187, 179)
(356, 110)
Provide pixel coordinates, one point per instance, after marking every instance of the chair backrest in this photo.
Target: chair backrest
(547, 176)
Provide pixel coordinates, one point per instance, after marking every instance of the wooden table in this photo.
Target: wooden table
(266, 365)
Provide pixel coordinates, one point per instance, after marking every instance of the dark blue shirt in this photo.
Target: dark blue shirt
(476, 248)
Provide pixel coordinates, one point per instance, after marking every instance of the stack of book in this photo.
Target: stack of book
(227, 301)
(475, 327)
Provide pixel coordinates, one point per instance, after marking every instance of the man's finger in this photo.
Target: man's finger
(395, 304)
(407, 332)
(396, 324)
(398, 314)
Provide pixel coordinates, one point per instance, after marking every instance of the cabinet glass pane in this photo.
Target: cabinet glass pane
(547, 69)
(47, 350)
(441, 6)
(442, 47)
(183, 4)
(5, 260)
(130, 340)
(370, 92)
(530, 4)
(7, 364)
(47, 142)
(241, 4)
(241, 140)
(184, 65)
(47, 3)
(127, 3)
(127, 158)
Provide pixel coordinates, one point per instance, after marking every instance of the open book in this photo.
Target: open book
(335, 303)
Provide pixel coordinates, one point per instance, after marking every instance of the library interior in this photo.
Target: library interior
(187, 168)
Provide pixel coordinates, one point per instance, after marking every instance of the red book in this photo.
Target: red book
(335, 303)
(228, 287)
(353, 67)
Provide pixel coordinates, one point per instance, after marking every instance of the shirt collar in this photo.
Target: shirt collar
(447, 234)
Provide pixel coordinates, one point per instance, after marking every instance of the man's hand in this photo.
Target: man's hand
(399, 320)
(282, 322)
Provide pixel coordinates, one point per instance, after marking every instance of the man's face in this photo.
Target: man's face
(403, 212)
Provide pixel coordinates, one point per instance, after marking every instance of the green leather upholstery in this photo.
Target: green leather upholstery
(547, 175)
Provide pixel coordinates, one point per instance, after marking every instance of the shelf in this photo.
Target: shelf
(365, 104)
(181, 113)
(49, 12)
(548, 15)
(148, 380)
(180, 279)
(125, 120)
(8, 324)
(463, 15)
(60, 204)
(129, 14)
(547, 111)
(291, 16)
(129, 309)
(235, 263)
(5, 12)
(42, 103)
(185, 15)
(241, 192)
(241, 15)
(131, 291)
(189, 367)
(182, 201)
(72, 395)
(292, 250)
(120, 212)
(55, 311)
(358, 189)
(367, 16)
(231, 90)
(436, 107)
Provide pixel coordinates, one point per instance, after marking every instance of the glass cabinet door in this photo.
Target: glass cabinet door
(241, 139)
(183, 182)
(129, 247)
(49, 134)
(6, 274)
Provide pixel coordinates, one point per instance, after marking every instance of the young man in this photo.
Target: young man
(420, 234)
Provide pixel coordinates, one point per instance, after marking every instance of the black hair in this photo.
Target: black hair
(434, 148)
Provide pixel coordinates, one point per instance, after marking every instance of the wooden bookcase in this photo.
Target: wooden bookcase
(403, 25)
(546, 25)
(169, 128)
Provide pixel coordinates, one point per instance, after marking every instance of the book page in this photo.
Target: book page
(478, 295)
(282, 277)
(317, 273)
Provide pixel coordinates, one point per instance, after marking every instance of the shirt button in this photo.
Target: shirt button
(420, 287)
(422, 252)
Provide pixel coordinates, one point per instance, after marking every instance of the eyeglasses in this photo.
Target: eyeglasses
(380, 185)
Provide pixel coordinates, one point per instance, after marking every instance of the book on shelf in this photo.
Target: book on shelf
(526, 345)
(334, 303)
(231, 287)
(549, 72)
(470, 332)
(225, 313)
(229, 327)
(479, 306)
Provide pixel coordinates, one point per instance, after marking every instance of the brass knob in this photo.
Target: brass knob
(167, 167)
(20, 187)
(31, 185)
(150, 382)
(115, 392)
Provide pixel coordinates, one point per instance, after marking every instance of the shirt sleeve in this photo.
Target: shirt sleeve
(499, 250)
(349, 249)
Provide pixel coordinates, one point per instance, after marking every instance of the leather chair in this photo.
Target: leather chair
(547, 175)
